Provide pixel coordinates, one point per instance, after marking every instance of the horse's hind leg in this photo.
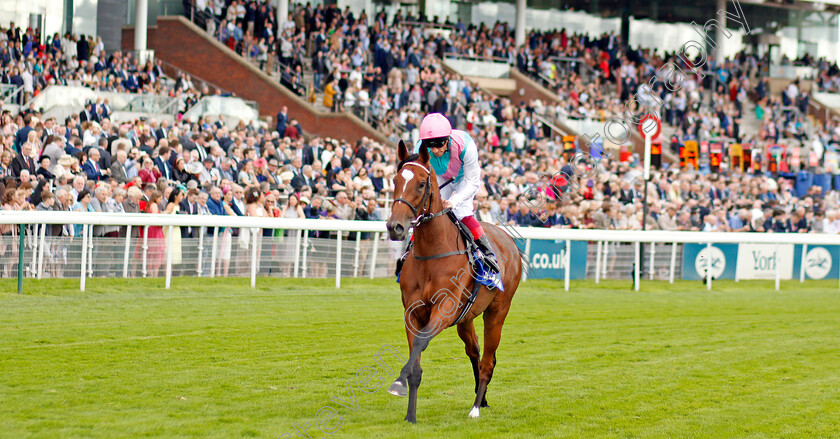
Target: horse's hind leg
(466, 331)
(494, 319)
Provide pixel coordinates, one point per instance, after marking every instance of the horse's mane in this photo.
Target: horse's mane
(410, 158)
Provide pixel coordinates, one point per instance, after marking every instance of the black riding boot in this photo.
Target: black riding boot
(402, 259)
(400, 263)
(489, 257)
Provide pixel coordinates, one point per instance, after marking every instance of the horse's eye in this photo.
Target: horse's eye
(422, 185)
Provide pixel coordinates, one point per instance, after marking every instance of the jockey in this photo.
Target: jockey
(455, 155)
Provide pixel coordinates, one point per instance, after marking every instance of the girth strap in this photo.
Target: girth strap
(438, 256)
(470, 301)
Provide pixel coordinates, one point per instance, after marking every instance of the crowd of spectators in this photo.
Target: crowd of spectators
(79, 60)
(87, 163)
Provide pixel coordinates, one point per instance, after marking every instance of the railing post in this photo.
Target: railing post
(338, 262)
(169, 257)
(652, 259)
(43, 247)
(356, 258)
(254, 256)
(33, 268)
(597, 261)
(297, 250)
(709, 266)
(637, 267)
(145, 249)
(673, 261)
(802, 263)
(778, 270)
(213, 251)
(568, 261)
(375, 251)
(606, 245)
(127, 248)
(201, 231)
(83, 268)
(90, 256)
(22, 233)
(305, 252)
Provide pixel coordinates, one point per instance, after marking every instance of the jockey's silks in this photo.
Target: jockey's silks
(444, 166)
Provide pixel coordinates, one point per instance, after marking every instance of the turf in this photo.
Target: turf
(215, 358)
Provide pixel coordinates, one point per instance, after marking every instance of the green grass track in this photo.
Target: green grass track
(216, 358)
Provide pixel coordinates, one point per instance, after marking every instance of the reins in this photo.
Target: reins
(422, 216)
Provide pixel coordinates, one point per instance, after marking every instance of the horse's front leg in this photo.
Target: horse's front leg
(412, 374)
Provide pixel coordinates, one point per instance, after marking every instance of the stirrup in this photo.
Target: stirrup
(487, 255)
(490, 261)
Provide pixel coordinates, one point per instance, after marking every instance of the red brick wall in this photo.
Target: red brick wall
(181, 43)
(531, 89)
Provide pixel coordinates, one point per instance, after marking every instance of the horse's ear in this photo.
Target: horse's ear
(402, 151)
(424, 155)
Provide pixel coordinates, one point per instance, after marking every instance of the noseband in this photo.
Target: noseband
(422, 216)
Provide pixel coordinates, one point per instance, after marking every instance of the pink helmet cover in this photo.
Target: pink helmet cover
(435, 125)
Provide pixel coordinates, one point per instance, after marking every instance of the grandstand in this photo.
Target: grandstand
(306, 107)
(194, 195)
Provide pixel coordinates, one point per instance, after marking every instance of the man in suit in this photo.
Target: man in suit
(669, 220)
(87, 114)
(162, 162)
(307, 155)
(104, 156)
(600, 218)
(271, 174)
(308, 177)
(282, 120)
(91, 167)
(663, 190)
(23, 133)
(119, 169)
(23, 161)
(625, 195)
(163, 131)
(189, 206)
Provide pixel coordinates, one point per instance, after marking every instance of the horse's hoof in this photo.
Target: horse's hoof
(398, 389)
(474, 412)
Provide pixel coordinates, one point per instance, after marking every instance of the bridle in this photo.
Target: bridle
(422, 216)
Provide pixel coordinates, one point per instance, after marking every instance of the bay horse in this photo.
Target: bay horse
(437, 282)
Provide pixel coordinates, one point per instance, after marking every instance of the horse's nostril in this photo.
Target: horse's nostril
(399, 229)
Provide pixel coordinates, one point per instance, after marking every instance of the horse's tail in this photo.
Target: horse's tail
(526, 263)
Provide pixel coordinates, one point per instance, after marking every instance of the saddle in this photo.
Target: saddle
(482, 274)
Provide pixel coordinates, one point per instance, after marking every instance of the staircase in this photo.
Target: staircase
(214, 61)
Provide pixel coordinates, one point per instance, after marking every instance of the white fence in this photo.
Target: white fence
(286, 247)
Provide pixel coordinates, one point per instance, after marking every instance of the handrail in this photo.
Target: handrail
(494, 59)
(195, 77)
(425, 24)
(580, 61)
(553, 127)
(548, 80)
(121, 219)
(10, 94)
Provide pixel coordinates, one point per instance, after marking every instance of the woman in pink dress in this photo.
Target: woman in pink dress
(157, 246)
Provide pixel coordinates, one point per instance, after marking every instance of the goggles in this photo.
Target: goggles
(438, 143)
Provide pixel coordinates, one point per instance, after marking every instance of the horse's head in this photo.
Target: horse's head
(412, 191)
